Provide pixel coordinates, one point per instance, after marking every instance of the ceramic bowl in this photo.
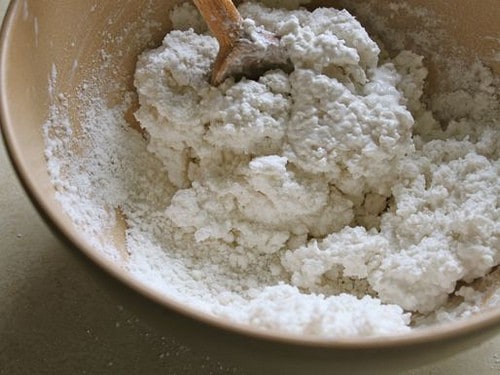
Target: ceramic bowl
(40, 37)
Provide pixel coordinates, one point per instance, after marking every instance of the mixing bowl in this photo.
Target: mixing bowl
(71, 40)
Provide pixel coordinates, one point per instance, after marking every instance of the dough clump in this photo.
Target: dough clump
(319, 177)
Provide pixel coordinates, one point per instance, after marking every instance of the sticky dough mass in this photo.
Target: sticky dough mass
(320, 167)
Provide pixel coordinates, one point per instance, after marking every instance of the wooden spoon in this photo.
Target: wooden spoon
(243, 51)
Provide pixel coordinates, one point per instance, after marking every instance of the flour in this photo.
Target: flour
(330, 201)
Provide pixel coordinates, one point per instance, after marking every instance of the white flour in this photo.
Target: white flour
(326, 202)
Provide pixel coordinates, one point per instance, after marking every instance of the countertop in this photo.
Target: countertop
(55, 318)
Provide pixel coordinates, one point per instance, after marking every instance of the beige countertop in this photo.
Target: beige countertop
(55, 318)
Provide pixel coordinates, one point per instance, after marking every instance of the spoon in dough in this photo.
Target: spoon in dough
(244, 49)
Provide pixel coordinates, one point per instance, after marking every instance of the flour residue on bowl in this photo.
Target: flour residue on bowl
(330, 201)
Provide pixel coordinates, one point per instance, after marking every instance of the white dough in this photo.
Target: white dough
(328, 201)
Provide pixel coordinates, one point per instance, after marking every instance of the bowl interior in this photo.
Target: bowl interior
(54, 46)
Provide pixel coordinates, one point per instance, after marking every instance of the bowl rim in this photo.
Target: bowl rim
(447, 331)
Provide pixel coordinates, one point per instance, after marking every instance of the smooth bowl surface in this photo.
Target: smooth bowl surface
(42, 39)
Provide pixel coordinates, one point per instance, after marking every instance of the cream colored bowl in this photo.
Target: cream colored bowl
(38, 35)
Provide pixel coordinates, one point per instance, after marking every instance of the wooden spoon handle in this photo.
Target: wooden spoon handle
(223, 20)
